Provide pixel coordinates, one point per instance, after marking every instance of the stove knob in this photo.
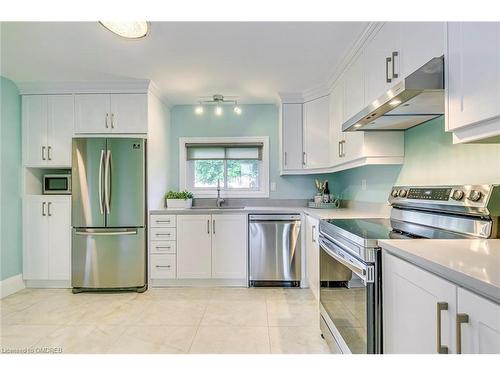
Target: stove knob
(457, 195)
(395, 193)
(474, 195)
(402, 193)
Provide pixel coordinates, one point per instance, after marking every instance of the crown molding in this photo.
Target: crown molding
(156, 92)
(84, 87)
(326, 87)
(291, 97)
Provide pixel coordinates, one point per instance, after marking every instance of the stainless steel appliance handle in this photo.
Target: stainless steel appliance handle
(101, 163)
(387, 78)
(43, 153)
(354, 265)
(48, 209)
(394, 55)
(461, 318)
(48, 153)
(105, 233)
(43, 209)
(107, 182)
(275, 217)
(441, 306)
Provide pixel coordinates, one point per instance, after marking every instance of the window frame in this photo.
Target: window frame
(184, 176)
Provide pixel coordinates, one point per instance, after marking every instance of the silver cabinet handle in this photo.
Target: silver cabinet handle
(208, 226)
(213, 226)
(313, 235)
(461, 318)
(43, 209)
(101, 163)
(158, 266)
(107, 119)
(340, 149)
(43, 153)
(394, 55)
(48, 153)
(162, 221)
(163, 247)
(441, 306)
(112, 121)
(387, 78)
(286, 158)
(48, 209)
(163, 234)
(304, 158)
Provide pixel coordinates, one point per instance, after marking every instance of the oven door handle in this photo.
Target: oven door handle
(355, 266)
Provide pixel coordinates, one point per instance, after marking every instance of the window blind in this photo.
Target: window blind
(219, 151)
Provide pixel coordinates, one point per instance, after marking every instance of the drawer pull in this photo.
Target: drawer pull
(158, 266)
(162, 221)
(163, 234)
(440, 349)
(460, 319)
(163, 247)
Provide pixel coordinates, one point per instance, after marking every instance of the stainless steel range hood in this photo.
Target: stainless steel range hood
(416, 99)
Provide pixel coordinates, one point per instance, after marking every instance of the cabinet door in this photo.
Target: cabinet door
(312, 257)
(194, 247)
(60, 125)
(35, 243)
(92, 114)
(381, 71)
(292, 136)
(411, 297)
(59, 237)
(420, 42)
(473, 72)
(354, 89)
(317, 133)
(481, 334)
(34, 112)
(129, 113)
(229, 247)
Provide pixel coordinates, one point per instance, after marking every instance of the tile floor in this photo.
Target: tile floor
(168, 320)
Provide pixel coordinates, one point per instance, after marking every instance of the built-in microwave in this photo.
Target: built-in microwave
(57, 184)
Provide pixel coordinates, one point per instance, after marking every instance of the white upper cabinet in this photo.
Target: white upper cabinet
(291, 128)
(336, 119)
(229, 247)
(111, 113)
(92, 113)
(129, 113)
(354, 88)
(317, 133)
(47, 130)
(473, 80)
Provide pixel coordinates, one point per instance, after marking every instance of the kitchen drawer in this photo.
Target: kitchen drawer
(163, 221)
(163, 266)
(163, 247)
(162, 234)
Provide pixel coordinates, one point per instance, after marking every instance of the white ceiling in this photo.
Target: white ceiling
(254, 60)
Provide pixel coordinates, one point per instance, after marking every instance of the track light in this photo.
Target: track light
(199, 110)
(218, 110)
(237, 110)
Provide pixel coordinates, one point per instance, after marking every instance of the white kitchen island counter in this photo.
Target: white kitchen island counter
(472, 264)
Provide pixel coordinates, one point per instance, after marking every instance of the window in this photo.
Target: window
(238, 165)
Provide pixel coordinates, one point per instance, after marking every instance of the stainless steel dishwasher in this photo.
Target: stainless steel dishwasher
(275, 250)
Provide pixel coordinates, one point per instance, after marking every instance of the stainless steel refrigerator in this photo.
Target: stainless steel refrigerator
(109, 214)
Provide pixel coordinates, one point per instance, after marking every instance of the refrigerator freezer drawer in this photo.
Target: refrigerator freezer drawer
(109, 258)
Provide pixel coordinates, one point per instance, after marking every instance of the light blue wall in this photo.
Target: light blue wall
(10, 180)
(430, 158)
(255, 120)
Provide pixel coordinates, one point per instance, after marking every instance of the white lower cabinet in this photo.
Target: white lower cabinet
(47, 238)
(229, 247)
(163, 266)
(312, 255)
(194, 247)
(422, 313)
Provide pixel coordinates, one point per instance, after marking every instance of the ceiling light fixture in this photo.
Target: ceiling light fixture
(218, 101)
(129, 30)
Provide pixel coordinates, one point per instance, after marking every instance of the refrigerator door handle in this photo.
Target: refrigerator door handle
(107, 182)
(105, 233)
(101, 162)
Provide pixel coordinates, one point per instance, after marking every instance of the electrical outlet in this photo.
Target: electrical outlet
(273, 186)
(363, 184)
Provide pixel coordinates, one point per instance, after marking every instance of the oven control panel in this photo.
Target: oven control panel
(434, 194)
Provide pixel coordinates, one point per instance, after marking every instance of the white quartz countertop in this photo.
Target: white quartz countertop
(338, 213)
(472, 264)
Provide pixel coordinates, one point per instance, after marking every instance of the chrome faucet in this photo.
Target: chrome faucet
(219, 200)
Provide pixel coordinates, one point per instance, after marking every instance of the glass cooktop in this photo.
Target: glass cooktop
(368, 229)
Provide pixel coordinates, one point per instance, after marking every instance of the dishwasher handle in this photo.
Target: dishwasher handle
(273, 217)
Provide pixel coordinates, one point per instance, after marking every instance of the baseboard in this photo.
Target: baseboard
(242, 283)
(11, 285)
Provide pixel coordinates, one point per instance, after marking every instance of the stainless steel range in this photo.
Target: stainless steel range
(350, 258)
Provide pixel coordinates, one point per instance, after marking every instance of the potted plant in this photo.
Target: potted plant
(181, 199)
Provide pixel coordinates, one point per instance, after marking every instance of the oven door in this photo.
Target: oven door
(348, 299)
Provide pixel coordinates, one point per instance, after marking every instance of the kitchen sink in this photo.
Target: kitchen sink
(218, 208)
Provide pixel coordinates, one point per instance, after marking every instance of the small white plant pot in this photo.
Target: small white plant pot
(179, 203)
